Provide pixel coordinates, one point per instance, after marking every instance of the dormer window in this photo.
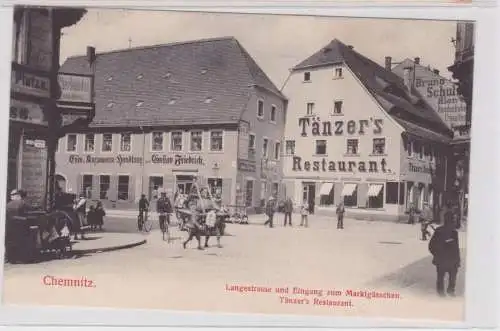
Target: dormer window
(139, 104)
(171, 102)
(338, 73)
(208, 100)
(167, 75)
(307, 76)
(110, 78)
(140, 76)
(204, 71)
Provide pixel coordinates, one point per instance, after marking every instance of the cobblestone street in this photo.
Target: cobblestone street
(371, 256)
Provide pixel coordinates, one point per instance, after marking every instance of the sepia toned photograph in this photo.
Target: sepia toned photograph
(238, 163)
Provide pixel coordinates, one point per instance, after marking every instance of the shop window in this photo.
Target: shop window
(307, 76)
(352, 146)
(215, 185)
(376, 196)
(351, 198)
(327, 194)
(273, 113)
(290, 147)
(196, 141)
(265, 143)
(251, 145)
(157, 141)
(104, 181)
(87, 182)
(338, 73)
(263, 190)
(216, 141)
(392, 193)
(89, 142)
(275, 189)
(123, 187)
(125, 142)
(71, 140)
(310, 108)
(260, 109)
(337, 107)
(320, 147)
(379, 146)
(249, 193)
(176, 141)
(107, 142)
(277, 151)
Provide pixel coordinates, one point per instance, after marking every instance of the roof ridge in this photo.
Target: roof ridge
(146, 47)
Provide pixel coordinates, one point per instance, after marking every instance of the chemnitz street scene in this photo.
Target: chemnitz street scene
(238, 163)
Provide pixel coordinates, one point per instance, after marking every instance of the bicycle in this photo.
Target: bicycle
(164, 226)
(144, 223)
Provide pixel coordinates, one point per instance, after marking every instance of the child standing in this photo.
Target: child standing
(99, 215)
(304, 212)
(91, 218)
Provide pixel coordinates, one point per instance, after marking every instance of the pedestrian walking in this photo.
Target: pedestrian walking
(444, 247)
(304, 214)
(80, 208)
(99, 215)
(426, 219)
(340, 215)
(288, 209)
(270, 210)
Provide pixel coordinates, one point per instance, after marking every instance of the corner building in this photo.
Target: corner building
(170, 113)
(360, 134)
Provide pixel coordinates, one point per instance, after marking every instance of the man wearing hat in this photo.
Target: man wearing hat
(270, 209)
(15, 231)
(17, 206)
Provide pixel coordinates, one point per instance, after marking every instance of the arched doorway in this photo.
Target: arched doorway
(60, 183)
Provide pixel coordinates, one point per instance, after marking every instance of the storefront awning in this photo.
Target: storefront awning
(374, 190)
(326, 188)
(348, 189)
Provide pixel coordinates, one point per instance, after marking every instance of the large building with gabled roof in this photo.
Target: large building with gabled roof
(167, 114)
(358, 133)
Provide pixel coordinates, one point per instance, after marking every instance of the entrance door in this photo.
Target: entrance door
(184, 183)
(309, 194)
(155, 182)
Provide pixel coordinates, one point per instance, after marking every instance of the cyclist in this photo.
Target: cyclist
(164, 209)
(143, 209)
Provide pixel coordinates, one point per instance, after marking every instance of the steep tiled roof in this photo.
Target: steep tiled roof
(407, 107)
(204, 82)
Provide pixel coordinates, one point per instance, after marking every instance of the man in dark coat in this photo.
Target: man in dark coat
(288, 209)
(445, 250)
(270, 209)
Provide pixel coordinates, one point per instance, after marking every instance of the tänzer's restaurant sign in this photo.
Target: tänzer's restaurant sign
(315, 127)
(119, 159)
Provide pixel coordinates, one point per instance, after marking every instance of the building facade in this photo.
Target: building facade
(359, 134)
(205, 111)
(35, 119)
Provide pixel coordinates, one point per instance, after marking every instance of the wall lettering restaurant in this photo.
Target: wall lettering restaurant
(339, 166)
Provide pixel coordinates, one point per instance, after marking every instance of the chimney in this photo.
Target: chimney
(408, 77)
(388, 63)
(90, 54)
(416, 60)
(435, 71)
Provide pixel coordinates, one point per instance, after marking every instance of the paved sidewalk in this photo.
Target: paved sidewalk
(107, 241)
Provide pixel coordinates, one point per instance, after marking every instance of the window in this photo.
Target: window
(310, 108)
(249, 193)
(176, 141)
(337, 107)
(307, 76)
(71, 143)
(376, 196)
(338, 72)
(327, 193)
(290, 147)
(216, 141)
(273, 113)
(276, 189)
(409, 147)
(196, 141)
(265, 142)
(107, 142)
(251, 144)
(391, 193)
(125, 142)
(431, 154)
(418, 150)
(123, 183)
(260, 109)
(352, 199)
(87, 186)
(215, 185)
(320, 147)
(89, 142)
(157, 141)
(352, 146)
(104, 181)
(379, 146)
(277, 151)
(20, 37)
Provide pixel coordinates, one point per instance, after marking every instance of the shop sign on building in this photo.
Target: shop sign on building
(33, 173)
(29, 84)
(119, 159)
(177, 159)
(247, 166)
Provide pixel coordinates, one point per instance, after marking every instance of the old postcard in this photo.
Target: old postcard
(238, 163)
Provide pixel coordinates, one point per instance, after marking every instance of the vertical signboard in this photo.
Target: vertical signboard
(34, 172)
